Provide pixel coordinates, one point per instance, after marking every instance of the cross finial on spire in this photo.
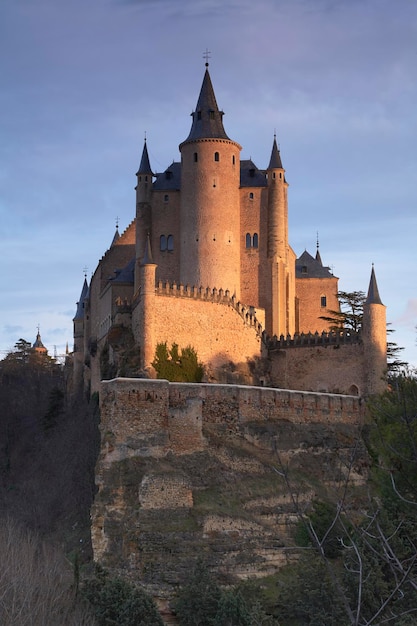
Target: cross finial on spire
(145, 136)
(85, 270)
(117, 222)
(206, 56)
(317, 242)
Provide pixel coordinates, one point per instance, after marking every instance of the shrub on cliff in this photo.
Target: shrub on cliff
(116, 601)
(174, 366)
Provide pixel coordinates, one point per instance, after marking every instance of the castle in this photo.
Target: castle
(207, 262)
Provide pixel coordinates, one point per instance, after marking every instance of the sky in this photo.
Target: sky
(83, 81)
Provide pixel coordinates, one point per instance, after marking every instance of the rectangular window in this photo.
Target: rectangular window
(323, 301)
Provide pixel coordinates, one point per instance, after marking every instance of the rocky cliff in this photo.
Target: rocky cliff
(219, 471)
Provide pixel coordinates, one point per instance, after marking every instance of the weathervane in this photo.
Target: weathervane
(206, 56)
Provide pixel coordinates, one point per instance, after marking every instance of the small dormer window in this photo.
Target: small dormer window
(211, 114)
(304, 269)
(199, 115)
(252, 172)
(168, 175)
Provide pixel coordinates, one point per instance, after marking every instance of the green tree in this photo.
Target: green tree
(199, 600)
(55, 408)
(350, 314)
(116, 601)
(350, 317)
(175, 366)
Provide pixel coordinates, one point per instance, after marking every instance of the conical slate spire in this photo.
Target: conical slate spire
(147, 257)
(80, 304)
(116, 237)
(207, 119)
(145, 166)
(373, 293)
(275, 161)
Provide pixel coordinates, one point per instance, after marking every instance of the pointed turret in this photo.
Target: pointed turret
(116, 237)
(373, 293)
(143, 208)
(147, 257)
(210, 199)
(38, 345)
(275, 160)
(374, 333)
(145, 166)
(207, 119)
(80, 304)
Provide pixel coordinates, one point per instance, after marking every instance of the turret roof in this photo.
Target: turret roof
(207, 119)
(147, 257)
(307, 266)
(116, 237)
(275, 161)
(38, 342)
(80, 304)
(145, 166)
(373, 293)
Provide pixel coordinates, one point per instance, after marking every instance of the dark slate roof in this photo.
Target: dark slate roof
(308, 267)
(80, 304)
(127, 274)
(170, 179)
(250, 176)
(116, 237)
(147, 257)
(373, 293)
(145, 166)
(207, 119)
(275, 160)
(38, 342)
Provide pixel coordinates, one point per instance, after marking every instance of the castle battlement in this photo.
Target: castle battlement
(333, 338)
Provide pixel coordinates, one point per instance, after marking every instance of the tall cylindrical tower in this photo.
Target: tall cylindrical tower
(210, 205)
(374, 334)
(143, 210)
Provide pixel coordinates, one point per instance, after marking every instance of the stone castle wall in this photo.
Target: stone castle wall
(160, 417)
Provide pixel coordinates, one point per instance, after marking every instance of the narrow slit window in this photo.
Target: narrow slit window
(216, 156)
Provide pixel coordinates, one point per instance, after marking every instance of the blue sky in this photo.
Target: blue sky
(82, 81)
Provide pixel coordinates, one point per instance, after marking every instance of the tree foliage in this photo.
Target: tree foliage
(202, 602)
(350, 314)
(175, 366)
(350, 317)
(116, 601)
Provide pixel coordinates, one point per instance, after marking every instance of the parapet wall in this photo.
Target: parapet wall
(154, 417)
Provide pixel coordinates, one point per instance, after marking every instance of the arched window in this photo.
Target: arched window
(248, 240)
(170, 243)
(216, 156)
(162, 243)
(251, 195)
(255, 240)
